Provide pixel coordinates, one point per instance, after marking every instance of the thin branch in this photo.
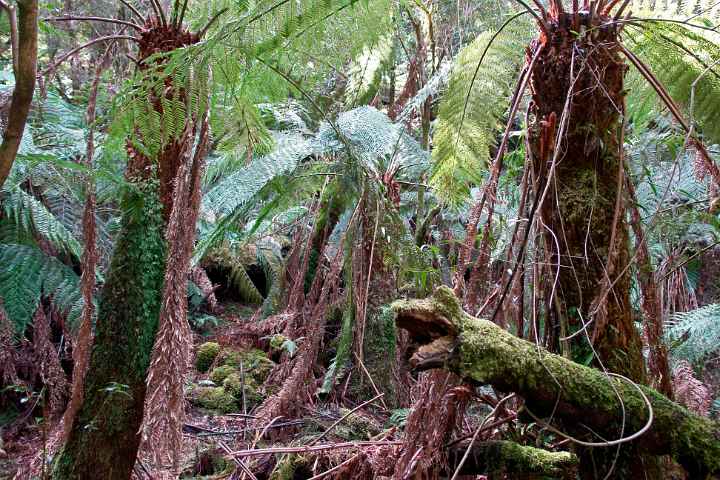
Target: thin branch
(182, 13)
(85, 45)
(95, 19)
(329, 429)
(12, 19)
(159, 12)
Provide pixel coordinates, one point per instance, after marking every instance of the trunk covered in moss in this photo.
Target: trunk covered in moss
(576, 141)
(445, 336)
(104, 438)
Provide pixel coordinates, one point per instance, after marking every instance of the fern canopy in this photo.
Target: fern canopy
(26, 275)
(679, 57)
(469, 116)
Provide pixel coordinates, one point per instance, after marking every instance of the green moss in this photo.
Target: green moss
(255, 362)
(205, 356)
(128, 314)
(277, 341)
(482, 351)
(221, 373)
(234, 385)
(214, 398)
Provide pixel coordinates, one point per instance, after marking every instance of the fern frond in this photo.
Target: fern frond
(237, 189)
(694, 335)
(26, 274)
(469, 116)
(31, 218)
(679, 57)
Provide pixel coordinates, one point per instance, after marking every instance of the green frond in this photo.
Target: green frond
(472, 107)
(373, 139)
(695, 334)
(679, 57)
(237, 189)
(30, 218)
(26, 274)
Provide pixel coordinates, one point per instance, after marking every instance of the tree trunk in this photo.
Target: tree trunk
(447, 337)
(576, 141)
(24, 32)
(104, 438)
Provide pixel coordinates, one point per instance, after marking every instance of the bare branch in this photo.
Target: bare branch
(94, 19)
(72, 52)
(12, 19)
(134, 10)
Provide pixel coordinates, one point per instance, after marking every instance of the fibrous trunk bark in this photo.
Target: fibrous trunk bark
(576, 141)
(445, 336)
(104, 438)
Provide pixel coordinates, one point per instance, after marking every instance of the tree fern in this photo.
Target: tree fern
(469, 116)
(26, 275)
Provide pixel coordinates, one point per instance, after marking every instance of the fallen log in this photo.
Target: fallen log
(445, 336)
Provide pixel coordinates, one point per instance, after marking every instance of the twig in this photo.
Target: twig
(14, 41)
(237, 461)
(322, 435)
(314, 448)
(134, 10)
(365, 370)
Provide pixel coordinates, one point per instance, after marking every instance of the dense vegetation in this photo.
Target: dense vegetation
(407, 239)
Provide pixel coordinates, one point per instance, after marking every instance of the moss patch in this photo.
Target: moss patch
(206, 354)
(214, 398)
(219, 374)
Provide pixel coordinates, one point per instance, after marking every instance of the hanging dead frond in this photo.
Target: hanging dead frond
(690, 391)
(164, 410)
(47, 363)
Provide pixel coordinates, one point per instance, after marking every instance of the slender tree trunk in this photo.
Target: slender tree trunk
(576, 140)
(104, 438)
(24, 32)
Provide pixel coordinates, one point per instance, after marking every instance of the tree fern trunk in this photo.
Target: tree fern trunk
(586, 230)
(576, 141)
(104, 438)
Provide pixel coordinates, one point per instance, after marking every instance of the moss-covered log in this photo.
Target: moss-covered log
(497, 458)
(446, 337)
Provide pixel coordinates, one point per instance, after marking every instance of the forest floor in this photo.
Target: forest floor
(224, 389)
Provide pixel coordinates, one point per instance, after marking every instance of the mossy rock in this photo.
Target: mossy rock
(255, 362)
(219, 374)
(214, 398)
(205, 356)
(234, 385)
